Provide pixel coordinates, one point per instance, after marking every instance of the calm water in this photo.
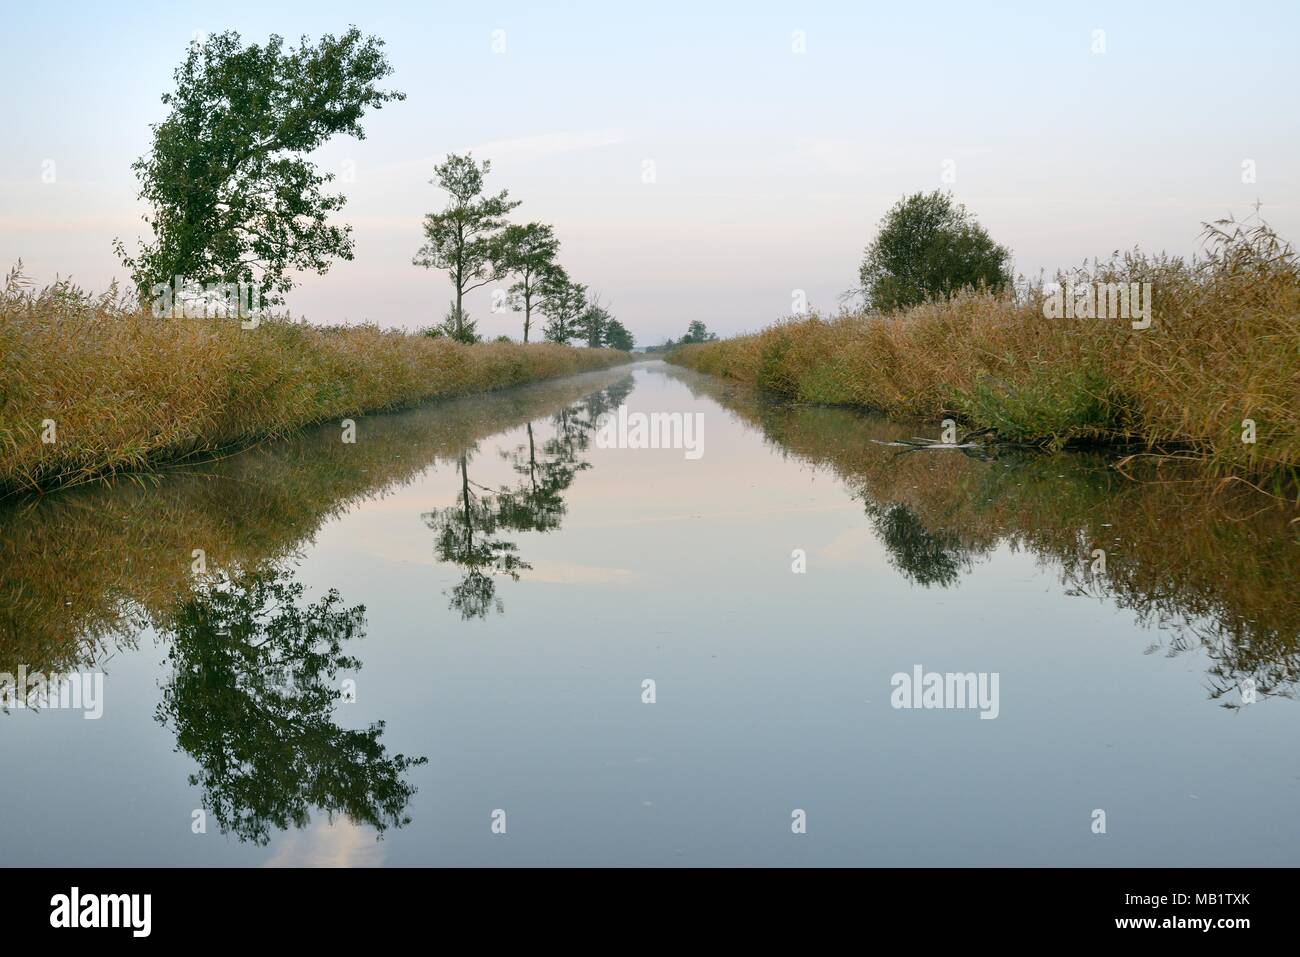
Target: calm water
(520, 583)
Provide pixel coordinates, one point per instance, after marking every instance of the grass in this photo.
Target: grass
(127, 392)
(1224, 346)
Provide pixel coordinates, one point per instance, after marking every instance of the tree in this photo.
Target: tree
(928, 247)
(232, 198)
(462, 239)
(528, 253)
(617, 336)
(457, 326)
(564, 301)
(697, 331)
(593, 322)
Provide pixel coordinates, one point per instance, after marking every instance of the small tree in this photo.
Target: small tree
(232, 198)
(563, 302)
(697, 331)
(458, 326)
(527, 253)
(593, 323)
(930, 247)
(617, 336)
(462, 239)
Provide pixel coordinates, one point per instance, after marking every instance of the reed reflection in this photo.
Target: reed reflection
(1205, 566)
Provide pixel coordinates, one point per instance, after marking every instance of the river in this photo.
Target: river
(480, 635)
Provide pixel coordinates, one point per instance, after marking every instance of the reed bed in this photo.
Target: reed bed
(119, 390)
(1223, 347)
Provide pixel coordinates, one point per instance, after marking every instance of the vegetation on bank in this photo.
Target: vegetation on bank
(92, 386)
(1216, 375)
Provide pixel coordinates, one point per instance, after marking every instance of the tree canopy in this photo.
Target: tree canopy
(463, 238)
(528, 253)
(232, 197)
(930, 247)
(565, 301)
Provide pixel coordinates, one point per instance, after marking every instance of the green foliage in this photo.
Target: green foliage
(1052, 406)
(697, 331)
(457, 326)
(528, 253)
(231, 196)
(618, 337)
(930, 247)
(463, 238)
(593, 323)
(564, 301)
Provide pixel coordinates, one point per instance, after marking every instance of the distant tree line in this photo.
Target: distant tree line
(697, 331)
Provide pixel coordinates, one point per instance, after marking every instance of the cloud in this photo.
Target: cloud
(324, 844)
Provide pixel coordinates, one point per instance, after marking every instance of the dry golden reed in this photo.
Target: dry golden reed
(126, 391)
(1223, 347)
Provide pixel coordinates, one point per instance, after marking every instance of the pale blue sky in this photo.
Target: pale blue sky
(772, 167)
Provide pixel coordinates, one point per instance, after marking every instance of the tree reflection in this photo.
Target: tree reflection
(466, 536)
(467, 533)
(925, 557)
(254, 686)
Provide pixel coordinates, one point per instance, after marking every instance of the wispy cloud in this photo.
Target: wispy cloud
(340, 843)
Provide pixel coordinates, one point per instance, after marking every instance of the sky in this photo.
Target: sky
(698, 161)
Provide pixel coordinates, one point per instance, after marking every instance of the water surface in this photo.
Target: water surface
(493, 588)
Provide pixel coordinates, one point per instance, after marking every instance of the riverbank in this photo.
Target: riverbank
(91, 388)
(1214, 377)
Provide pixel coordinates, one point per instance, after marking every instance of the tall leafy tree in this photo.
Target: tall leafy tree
(930, 247)
(528, 253)
(618, 337)
(563, 302)
(232, 197)
(463, 238)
